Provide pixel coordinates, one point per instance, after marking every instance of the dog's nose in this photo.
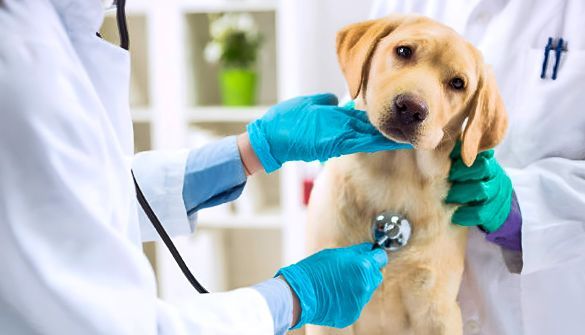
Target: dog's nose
(410, 110)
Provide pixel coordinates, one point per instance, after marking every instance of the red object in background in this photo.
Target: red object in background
(307, 188)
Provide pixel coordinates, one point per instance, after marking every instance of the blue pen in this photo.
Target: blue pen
(558, 51)
(546, 52)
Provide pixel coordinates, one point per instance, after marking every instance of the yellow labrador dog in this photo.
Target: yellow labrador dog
(420, 83)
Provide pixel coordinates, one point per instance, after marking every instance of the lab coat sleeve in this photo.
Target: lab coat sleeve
(160, 175)
(180, 183)
(217, 313)
(551, 193)
(278, 295)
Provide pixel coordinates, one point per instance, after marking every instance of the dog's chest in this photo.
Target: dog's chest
(402, 190)
(422, 204)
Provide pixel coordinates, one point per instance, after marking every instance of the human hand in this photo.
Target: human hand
(313, 128)
(334, 285)
(483, 190)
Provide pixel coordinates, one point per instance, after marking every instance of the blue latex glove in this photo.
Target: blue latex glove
(334, 285)
(313, 128)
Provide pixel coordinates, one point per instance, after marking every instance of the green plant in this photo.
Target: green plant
(235, 40)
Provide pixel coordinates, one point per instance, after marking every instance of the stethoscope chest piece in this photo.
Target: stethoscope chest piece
(390, 231)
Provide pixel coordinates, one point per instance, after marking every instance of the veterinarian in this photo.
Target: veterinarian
(71, 231)
(525, 273)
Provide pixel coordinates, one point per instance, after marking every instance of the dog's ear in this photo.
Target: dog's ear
(356, 44)
(487, 120)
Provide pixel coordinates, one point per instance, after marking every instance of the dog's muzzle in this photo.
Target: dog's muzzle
(406, 113)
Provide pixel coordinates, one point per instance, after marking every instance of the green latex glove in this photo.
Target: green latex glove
(483, 190)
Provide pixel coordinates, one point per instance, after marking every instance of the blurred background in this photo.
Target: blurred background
(203, 69)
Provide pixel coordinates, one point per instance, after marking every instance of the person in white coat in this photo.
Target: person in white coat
(533, 284)
(70, 231)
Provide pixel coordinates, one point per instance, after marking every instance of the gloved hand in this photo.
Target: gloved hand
(483, 190)
(313, 128)
(334, 285)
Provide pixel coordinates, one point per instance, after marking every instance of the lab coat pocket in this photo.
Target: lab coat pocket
(549, 115)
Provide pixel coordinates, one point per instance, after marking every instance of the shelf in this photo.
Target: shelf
(263, 221)
(214, 6)
(221, 114)
(141, 115)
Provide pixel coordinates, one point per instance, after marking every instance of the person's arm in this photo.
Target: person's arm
(69, 265)
(486, 199)
(216, 173)
(282, 302)
(249, 158)
(177, 184)
(534, 213)
(509, 235)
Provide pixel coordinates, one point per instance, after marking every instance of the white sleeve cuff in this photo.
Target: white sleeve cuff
(160, 176)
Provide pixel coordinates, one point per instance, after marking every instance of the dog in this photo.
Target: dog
(420, 83)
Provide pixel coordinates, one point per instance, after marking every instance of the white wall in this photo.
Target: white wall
(307, 58)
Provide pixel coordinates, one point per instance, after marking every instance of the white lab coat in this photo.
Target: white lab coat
(70, 237)
(543, 153)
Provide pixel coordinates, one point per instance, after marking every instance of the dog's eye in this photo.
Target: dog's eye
(404, 52)
(457, 83)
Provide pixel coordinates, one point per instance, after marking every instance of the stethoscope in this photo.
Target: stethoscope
(120, 7)
(390, 231)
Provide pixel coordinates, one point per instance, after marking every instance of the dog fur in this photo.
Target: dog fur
(421, 282)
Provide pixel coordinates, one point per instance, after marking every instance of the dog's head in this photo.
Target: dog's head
(420, 81)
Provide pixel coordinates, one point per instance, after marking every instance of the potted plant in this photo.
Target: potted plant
(234, 44)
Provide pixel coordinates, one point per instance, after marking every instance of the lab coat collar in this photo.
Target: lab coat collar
(80, 15)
